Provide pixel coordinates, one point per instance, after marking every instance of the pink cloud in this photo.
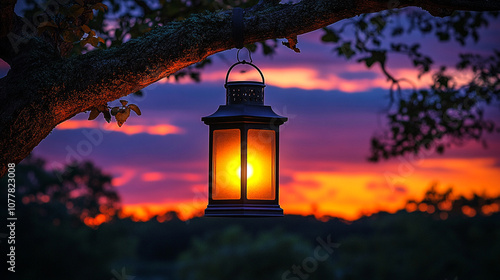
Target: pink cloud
(159, 129)
(123, 175)
(159, 176)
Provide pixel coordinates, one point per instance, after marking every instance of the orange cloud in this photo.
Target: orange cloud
(152, 176)
(159, 129)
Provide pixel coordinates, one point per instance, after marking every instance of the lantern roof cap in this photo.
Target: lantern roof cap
(244, 113)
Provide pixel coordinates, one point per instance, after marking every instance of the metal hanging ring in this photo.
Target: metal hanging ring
(244, 62)
(249, 55)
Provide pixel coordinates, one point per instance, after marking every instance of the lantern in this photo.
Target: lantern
(244, 153)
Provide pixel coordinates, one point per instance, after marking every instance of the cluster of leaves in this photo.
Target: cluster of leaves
(81, 188)
(131, 19)
(459, 26)
(121, 113)
(448, 112)
(74, 27)
(66, 24)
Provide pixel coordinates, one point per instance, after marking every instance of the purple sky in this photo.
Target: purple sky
(334, 106)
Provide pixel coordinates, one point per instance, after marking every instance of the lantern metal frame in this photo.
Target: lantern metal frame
(244, 110)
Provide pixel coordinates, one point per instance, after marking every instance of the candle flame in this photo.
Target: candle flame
(249, 171)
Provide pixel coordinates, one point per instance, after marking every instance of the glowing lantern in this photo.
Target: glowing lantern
(244, 153)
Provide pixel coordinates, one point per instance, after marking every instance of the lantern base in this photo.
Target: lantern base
(243, 210)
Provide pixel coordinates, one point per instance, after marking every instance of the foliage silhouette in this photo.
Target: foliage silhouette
(417, 246)
(52, 240)
(451, 111)
(235, 254)
(81, 188)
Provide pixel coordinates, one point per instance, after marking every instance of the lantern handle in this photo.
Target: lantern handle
(244, 62)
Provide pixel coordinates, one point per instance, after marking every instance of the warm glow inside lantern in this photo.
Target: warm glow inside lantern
(244, 149)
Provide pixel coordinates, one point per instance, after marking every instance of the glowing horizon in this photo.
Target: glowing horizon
(349, 194)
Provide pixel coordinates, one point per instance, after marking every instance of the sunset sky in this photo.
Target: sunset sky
(159, 160)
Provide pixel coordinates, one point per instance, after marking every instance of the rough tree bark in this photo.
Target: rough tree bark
(42, 89)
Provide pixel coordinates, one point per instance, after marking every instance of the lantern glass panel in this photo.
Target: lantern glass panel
(226, 157)
(261, 162)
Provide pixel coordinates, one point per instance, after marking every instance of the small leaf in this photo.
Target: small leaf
(195, 76)
(122, 116)
(94, 42)
(292, 43)
(345, 50)
(107, 116)
(443, 36)
(330, 36)
(377, 56)
(397, 31)
(362, 25)
(93, 114)
(124, 102)
(115, 110)
(47, 24)
(86, 29)
(379, 22)
(134, 108)
(100, 6)
(266, 48)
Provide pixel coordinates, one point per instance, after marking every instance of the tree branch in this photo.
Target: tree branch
(42, 89)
